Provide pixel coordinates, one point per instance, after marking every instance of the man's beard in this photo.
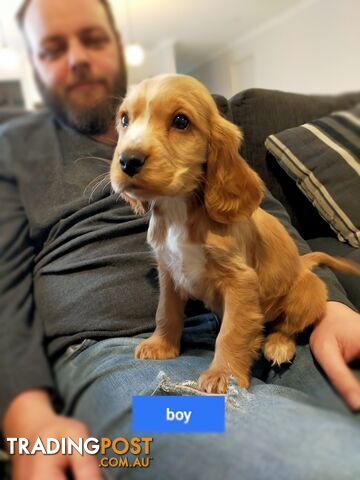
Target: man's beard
(88, 119)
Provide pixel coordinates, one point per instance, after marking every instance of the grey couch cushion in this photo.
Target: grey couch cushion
(223, 106)
(7, 114)
(262, 112)
(332, 246)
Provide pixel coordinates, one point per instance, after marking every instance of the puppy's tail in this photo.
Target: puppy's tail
(311, 260)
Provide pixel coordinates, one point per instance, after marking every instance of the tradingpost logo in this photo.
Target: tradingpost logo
(119, 452)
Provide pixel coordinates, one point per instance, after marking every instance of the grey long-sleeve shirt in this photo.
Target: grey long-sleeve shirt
(74, 263)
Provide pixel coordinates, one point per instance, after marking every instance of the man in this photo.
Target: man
(77, 295)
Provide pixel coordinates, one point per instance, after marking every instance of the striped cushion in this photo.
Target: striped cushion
(323, 157)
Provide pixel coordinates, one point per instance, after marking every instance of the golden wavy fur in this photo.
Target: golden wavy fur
(178, 157)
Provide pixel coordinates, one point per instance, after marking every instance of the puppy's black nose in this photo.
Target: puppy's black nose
(131, 162)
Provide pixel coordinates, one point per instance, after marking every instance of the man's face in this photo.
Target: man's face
(77, 60)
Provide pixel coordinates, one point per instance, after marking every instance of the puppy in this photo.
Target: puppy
(179, 158)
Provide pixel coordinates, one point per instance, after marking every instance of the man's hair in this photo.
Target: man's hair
(20, 15)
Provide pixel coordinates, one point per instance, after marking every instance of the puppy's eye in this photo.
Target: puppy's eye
(124, 120)
(181, 122)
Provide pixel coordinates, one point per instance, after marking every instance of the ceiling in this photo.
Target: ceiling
(199, 28)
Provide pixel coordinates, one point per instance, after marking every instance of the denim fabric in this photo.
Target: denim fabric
(293, 426)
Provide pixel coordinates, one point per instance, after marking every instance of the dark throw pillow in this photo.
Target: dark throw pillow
(323, 157)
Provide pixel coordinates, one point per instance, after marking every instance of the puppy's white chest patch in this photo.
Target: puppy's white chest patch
(185, 260)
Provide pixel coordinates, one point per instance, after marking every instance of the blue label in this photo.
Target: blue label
(178, 414)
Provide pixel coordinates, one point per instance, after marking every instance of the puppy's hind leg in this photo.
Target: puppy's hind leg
(304, 305)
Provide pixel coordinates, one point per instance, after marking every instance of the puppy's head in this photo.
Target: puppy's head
(172, 141)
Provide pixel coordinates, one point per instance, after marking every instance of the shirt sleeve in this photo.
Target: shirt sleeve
(23, 362)
(336, 292)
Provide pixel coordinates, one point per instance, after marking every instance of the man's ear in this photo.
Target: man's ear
(140, 208)
(233, 189)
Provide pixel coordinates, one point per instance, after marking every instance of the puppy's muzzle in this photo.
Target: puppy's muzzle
(131, 162)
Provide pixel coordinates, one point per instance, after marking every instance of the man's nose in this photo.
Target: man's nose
(132, 161)
(77, 54)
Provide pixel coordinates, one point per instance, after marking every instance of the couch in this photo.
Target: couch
(260, 113)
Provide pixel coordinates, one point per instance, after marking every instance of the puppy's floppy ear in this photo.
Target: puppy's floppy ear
(232, 188)
(140, 208)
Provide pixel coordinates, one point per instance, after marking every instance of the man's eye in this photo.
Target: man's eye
(51, 54)
(180, 122)
(124, 120)
(95, 42)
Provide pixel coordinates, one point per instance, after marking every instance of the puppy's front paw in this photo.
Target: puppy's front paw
(217, 381)
(214, 381)
(156, 348)
(279, 348)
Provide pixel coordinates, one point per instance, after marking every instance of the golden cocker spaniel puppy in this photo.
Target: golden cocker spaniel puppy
(177, 156)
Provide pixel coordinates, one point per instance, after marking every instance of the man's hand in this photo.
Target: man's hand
(335, 342)
(31, 415)
(54, 467)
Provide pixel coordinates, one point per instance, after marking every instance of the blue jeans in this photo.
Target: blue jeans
(293, 426)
